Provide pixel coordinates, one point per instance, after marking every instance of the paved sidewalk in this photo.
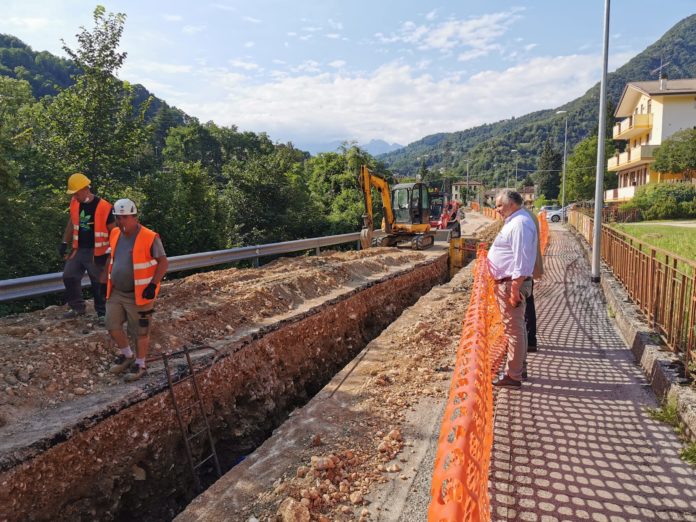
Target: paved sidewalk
(576, 442)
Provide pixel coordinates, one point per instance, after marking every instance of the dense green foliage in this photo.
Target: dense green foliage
(581, 167)
(491, 144)
(201, 186)
(548, 175)
(664, 201)
(677, 153)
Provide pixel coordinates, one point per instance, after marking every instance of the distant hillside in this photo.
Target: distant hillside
(374, 147)
(491, 144)
(47, 74)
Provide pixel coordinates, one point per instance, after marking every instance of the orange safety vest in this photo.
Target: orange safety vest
(144, 265)
(101, 233)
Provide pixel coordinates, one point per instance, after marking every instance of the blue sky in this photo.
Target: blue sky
(318, 71)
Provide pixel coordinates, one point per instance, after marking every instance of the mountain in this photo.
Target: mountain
(374, 147)
(48, 74)
(488, 147)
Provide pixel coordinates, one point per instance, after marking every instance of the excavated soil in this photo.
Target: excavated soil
(47, 360)
(348, 454)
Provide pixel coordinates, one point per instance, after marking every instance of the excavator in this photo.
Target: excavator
(406, 213)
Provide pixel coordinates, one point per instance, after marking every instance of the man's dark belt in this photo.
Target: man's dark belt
(506, 279)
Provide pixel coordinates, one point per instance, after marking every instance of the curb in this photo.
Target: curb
(657, 361)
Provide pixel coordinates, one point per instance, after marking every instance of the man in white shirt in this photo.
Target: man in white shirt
(511, 261)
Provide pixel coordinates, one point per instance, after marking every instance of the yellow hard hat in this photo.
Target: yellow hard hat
(76, 182)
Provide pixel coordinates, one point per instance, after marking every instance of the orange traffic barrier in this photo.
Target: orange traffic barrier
(460, 478)
(475, 206)
(543, 231)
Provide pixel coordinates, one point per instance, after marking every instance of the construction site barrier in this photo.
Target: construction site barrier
(475, 206)
(460, 478)
(543, 231)
(490, 213)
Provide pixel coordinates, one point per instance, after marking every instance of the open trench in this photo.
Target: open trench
(127, 461)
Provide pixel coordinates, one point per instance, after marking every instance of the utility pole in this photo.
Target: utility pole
(601, 163)
(565, 149)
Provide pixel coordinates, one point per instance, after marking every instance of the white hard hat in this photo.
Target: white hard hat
(125, 207)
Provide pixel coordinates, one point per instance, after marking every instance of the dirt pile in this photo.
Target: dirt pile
(47, 360)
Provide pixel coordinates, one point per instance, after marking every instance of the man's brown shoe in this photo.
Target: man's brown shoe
(121, 364)
(507, 381)
(135, 373)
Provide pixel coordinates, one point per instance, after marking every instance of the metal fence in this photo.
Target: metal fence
(32, 286)
(661, 283)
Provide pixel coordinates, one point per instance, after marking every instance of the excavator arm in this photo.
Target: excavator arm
(368, 180)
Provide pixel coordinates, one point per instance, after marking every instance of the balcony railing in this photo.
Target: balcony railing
(619, 194)
(632, 126)
(632, 156)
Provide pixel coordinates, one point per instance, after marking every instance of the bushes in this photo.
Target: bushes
(664, 201)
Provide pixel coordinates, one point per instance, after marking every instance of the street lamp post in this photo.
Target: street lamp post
(565, 149)
(601, 162)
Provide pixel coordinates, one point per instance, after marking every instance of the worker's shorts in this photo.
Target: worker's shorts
(121, 307)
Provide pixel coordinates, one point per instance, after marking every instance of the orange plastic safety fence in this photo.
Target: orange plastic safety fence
(460, 479)
(475, 206)
(491, 213)
(543, 231)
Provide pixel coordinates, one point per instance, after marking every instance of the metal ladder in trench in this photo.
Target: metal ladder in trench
(190, 375)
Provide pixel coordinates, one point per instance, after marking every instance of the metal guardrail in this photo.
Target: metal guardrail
(32, 286)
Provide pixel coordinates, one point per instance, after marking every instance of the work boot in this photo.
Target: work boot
(73, 314)
(135, 372)
(121, 364)
(101, 320)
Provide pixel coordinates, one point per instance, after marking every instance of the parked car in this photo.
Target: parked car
(558, 214)
(550, 208)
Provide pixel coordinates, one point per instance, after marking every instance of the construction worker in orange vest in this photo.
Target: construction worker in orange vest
(87, 232)
(137, 265)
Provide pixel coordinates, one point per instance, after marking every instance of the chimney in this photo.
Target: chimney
(663, 81)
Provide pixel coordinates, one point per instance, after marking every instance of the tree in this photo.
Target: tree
(677, 154)
(92, 125)
(581, 168)
(182, 204)
(548, 175)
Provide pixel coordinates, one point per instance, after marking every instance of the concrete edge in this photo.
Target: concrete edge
(657, 361)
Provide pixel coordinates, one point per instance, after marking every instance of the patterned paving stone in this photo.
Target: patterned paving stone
(575, 442)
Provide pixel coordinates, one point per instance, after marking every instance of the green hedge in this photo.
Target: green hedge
(664, 201)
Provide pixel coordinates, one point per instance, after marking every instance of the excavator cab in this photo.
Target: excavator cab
(411, 203)
(406, 213)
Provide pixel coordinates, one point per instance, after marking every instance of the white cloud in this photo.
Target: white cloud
(251, 19)
(173, 18)
(333, 36)
(223, 7)
(337, 64)
(28, 23)
(292, 33)
(249, 44)
(241, 64)
(396, 102)
(308, 66)
(193, 29)
(431, 15)
(530, 46)
(473, 37)
(312, 29)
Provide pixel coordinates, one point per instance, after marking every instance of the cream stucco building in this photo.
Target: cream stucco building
(651, 111)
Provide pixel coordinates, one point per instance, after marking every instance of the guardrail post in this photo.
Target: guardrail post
(317, 251)
(255, 262)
